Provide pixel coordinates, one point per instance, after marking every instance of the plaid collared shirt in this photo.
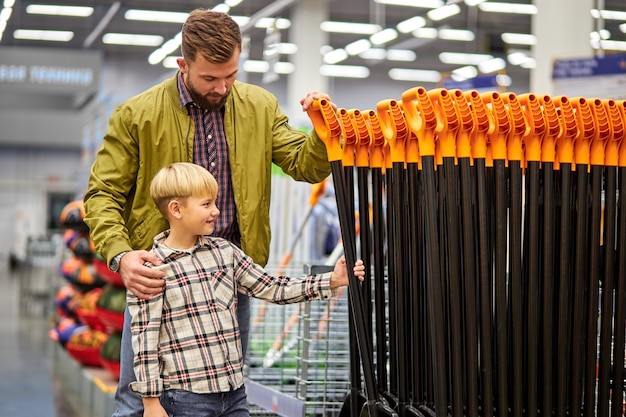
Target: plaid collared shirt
(210, 151)
(187, 337)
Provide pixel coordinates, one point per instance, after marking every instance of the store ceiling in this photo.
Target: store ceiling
(487, 27)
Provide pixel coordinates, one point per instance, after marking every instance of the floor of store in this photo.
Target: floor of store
(28, 384)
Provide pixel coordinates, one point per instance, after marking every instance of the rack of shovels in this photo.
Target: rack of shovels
(496, 236)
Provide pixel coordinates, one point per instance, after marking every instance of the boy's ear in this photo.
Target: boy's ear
(173, 207)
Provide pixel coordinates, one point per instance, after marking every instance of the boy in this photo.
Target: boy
(186, 340)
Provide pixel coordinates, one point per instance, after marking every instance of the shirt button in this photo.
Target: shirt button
(212, 164)
(210, 136)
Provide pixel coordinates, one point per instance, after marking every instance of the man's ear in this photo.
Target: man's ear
(173, 207)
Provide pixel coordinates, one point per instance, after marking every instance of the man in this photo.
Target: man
(201, 115)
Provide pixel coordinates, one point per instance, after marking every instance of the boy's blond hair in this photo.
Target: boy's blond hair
(181, 180)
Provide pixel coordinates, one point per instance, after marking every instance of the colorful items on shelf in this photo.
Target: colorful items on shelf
(84, 346)
(110, 354)
(110, 307)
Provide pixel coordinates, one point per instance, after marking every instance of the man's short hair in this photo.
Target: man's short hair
(213, 35)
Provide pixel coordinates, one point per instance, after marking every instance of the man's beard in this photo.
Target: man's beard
(203, 102)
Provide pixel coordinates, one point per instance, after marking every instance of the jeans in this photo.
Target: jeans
(187, 404)
(128, 402)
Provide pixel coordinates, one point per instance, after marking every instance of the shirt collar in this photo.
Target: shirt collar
(183, 93)
(166, 253)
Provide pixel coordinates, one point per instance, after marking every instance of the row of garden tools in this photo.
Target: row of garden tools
(496, 235)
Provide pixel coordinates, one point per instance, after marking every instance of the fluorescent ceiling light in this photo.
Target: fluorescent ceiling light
(504, 80)
(492, 65)
(404, 55)
(270, 22)
(609, 45)
(598, 35)
(608, 14)
(155, 16)
(473, 2)
(402, 74)
(516, 8)
(409, 25)
(222, 8)
(131, 39)
(3, 26)
(464, 73)
(456, 35)
(345, 71)
(444, 12)
(50, 9)
(336, 55)
(9, 3)
(425, 4)
(622, 27)
(384, 36)
(349, 27)
(232, 3)
(44, 35)
(263, 66)
(5, 14)
(425, 33)
(357, 47)
(519, 38)
(517, 58)
(460, 58)
(377, 54)
(171, 62)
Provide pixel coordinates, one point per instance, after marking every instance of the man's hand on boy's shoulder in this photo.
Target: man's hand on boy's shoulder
(143, 281)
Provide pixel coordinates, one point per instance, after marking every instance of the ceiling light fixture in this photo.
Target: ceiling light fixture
(358, 47)
(270, 22)
(516, 8)
(8, 3)
(456, 35)
(131, 39)
(155, 16)
(444, 12)
(375, 54)
(519, 38)
(257, 66)
(350, 27)
(460, 58)
(425, 4)
(409, 25)
(402, 74)
(608, 14)
(609, 45)
(5, 14)
(222, 8)
(345, 71)
(464, 73)
(44, 35)
(384, 36)
(473, 2)
(335, 56)
(55, 10)
(425, 33)
(232, 3)
(492, 65)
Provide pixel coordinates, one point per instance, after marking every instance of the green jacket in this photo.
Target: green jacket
(151, 130)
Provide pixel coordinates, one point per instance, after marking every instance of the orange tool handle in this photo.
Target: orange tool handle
(585, 119)
(554, 130)
(317, 190)
(501, 122)
(377, 143)
(467, 125)
(603, 132)
(515, 151)
(484, 124)
(411, 151)
(327, 126)
(448, 116)
(394, 127)
(421, 118)
(536, 123)
(611, 154)
(348, 130)
(363, 137)
(565, 144)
